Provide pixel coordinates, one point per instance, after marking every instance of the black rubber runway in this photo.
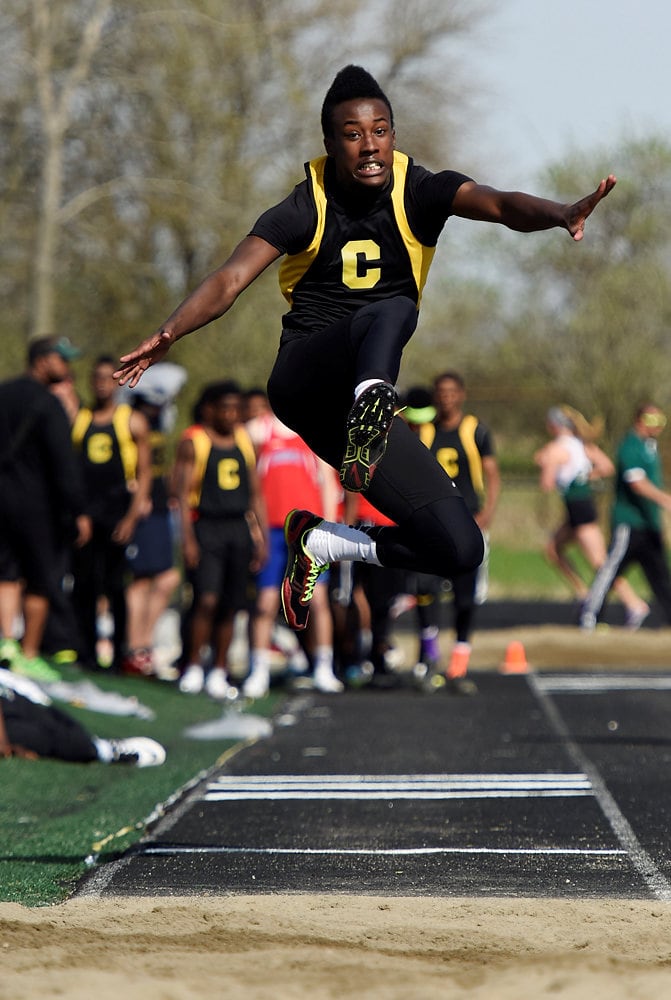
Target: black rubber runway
(552, 785)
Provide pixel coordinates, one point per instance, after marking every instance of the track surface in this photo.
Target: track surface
(549, 785)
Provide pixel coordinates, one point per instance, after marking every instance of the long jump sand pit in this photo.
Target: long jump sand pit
(336, 946)
(278, 946)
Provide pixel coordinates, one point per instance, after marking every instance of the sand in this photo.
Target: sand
(336, 946)
(301, 946)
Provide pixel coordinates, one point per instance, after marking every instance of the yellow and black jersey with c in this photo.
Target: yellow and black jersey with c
(355, 258)
(460, 452)
(220, 485)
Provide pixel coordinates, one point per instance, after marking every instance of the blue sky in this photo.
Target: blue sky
(575, 75)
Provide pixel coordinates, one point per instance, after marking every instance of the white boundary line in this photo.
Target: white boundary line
(231, 788)
(601, 683)
(641, 860)
(379, 852)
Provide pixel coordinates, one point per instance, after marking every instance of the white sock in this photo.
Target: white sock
(366, 384)
(331, 542)
(324, 659)
(259, 660)
(103, 749)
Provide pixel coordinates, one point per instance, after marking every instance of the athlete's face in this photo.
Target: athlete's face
(103, 382)
(449, 398)
(226, 413)
(362, 144)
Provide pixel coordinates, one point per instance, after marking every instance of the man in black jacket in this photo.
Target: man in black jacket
(41, 501)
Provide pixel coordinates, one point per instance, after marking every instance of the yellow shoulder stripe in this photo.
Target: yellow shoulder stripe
(420, 256)
(294, 267)
(467, 437)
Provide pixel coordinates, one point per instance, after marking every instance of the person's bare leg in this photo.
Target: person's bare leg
(555, 553)
(35, 611)
(10, 606)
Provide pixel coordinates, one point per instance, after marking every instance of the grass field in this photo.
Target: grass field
(55, 815)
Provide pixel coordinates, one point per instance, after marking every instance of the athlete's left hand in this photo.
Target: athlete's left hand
(578, 213)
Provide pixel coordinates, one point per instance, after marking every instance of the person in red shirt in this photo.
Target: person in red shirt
(290, 475)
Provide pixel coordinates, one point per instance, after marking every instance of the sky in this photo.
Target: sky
(574, 75)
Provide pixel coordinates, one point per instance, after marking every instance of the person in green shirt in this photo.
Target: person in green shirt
(637, 530)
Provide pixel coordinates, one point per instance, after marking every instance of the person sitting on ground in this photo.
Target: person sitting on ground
(32, 727)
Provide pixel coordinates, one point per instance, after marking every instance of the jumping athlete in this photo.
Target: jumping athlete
(359, 234)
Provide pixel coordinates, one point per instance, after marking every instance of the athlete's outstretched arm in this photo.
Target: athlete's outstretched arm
(525, 212)
(210, 300)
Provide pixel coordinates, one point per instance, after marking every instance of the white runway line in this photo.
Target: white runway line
(173, 849)
(640, 859)
(601, 683)
(227, 788)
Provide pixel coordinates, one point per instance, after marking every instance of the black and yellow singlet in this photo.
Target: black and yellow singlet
(460, 452)
(345, 251)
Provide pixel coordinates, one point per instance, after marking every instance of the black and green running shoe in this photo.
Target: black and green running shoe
(367, 427)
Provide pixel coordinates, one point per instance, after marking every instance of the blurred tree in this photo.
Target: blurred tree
(139, 143)
(586, 324)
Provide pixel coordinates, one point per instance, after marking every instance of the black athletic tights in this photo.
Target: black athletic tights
(311, 390)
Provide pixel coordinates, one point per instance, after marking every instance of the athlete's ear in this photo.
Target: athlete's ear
(328, 145)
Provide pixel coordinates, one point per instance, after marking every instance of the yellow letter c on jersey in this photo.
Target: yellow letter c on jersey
(361, 264)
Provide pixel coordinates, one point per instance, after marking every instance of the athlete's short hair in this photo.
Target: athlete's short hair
(349, 84)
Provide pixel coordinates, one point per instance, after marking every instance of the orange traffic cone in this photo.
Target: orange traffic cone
(516, 660)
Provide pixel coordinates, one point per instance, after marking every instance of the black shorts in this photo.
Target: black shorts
(225, 555)
(151, 552)
(581, 512)
(30, 551)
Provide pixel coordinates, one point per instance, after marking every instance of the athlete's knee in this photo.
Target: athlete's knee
(470, 546)
(455, 543)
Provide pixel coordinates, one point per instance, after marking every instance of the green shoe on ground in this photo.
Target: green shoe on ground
(9, 650)
(36, 668)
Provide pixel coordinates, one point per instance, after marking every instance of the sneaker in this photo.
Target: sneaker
(358, 675)
(367, 427)
(137, 750)
(257, 683)
(35, 667)
(458, 664)
(10, 649)
(138, 663)
(462, 686)
(302, 571)
(325, 680)
(634, 619)
(192, 680)
(218, 687)
(64, 657)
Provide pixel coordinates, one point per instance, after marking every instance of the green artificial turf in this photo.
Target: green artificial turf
(55, 815)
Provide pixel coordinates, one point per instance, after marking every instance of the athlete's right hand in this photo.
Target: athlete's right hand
(147, 353)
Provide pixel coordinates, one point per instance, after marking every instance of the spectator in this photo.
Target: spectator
(636, 518)
(570, 463)
(42, 504)
(151, 553)
(290, 475)
(464, 448)
(374, 591)
(223, 529)
(112, 442)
